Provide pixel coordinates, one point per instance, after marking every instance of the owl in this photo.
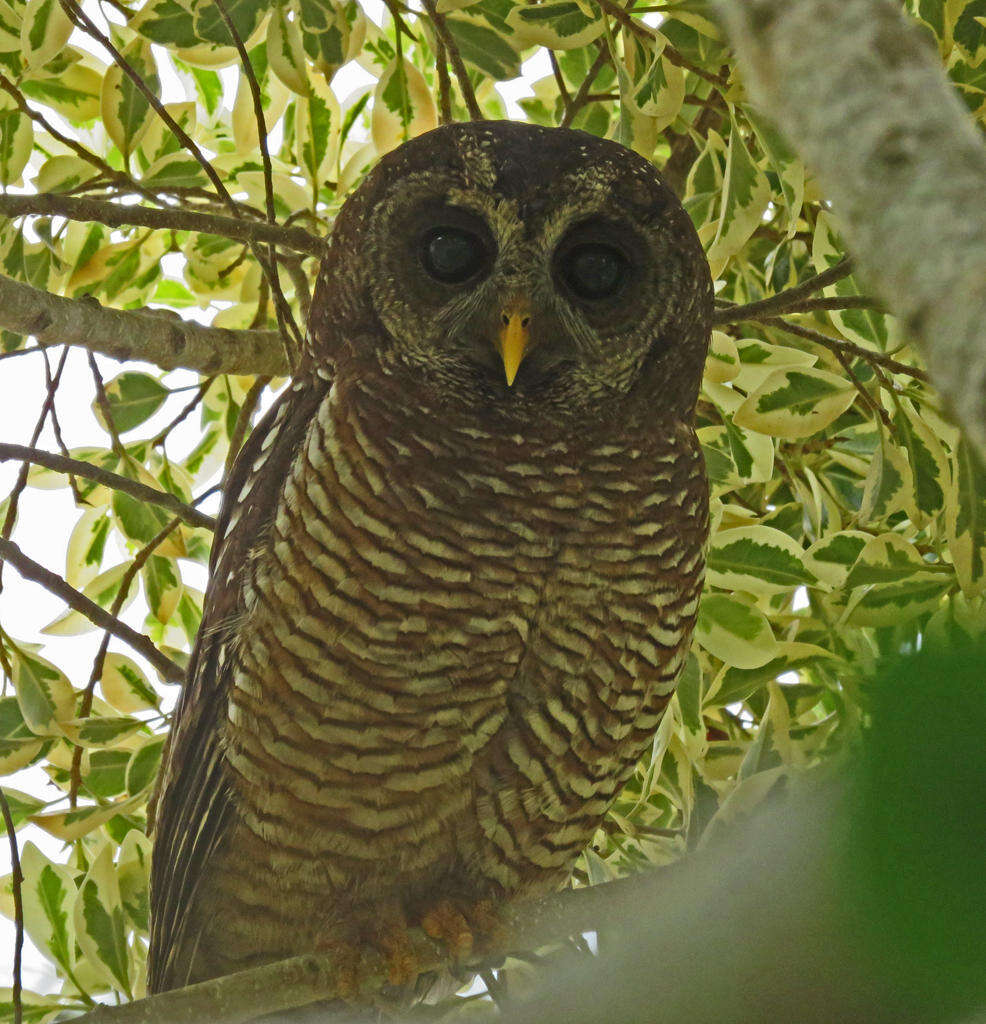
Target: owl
(457, 565)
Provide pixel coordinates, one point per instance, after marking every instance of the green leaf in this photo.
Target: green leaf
(126, 110)
(484, 48)
(133, 398)
(211, 27)
(44, 31)
(556, 24)
(16, 143)
(103, 590)
(105, 771)
(163, 586)
(759, 559)
(745, 194)
(736, 633)
(100, 922)
(75, 93)
(48, 894)
(403, 106)
(927, 460)
(795, 403)
(44, 694)
(21, 805)
(168, 22)
(124, 685)
(286, 51)
(965, 518)
(143, 767)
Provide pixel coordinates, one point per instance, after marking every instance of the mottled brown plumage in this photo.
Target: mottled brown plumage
(445, 613)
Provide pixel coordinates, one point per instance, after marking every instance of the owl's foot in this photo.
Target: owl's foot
(464, 926)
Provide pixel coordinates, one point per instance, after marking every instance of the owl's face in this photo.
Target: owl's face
(506, 266)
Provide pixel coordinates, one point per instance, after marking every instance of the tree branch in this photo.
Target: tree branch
(452, 49)
(900, 157)
(16, 886)
(783, 301)
(305, 979)
(116, 215)
(159, 338)
(841, 346)
(142, 492)
(77, 601)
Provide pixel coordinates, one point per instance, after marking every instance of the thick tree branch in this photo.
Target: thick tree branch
(162, 339)
(30, 570)
(142, 492)
(305, 979)
(116, 215)
(862, 96)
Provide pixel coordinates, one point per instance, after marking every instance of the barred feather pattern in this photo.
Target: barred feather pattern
(450, 648)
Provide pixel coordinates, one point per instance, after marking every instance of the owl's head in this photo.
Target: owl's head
(507, 267)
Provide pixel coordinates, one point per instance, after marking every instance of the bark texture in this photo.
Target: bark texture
(159, 338)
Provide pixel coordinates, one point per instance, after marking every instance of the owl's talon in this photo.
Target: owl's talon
(446, 923)
(398, 953)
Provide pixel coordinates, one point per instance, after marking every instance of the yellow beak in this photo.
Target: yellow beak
(513, 339)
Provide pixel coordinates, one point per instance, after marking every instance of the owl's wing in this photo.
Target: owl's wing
(193, 799)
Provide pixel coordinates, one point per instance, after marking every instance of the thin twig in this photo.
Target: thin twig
(302, 288)
(868, 400)
(126, 581)
(581, 97)
(566, 97)
(243, 419)
(290, 333)
(444, 82)
(452, 48)
(116, 215)
(116, 482)
(17, 881)
(77, 601)
(281, 308)
(835, 302)
(21, 482)
(875, 359)
(187, 411)
(57, 430)
(106, 410)
(66, 140)
(783, 301)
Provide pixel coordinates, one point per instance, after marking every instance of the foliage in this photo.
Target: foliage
(848, 514)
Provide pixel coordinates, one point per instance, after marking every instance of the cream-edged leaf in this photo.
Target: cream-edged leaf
(796, 403)
(48, 896)
(735, 632)
(286, 51)
(723, 362)
(45, 29)
(403, 106)
(556, 24)
(100, 922)
(758, 559)
(44, 693)
(124, 685)
(103, 590)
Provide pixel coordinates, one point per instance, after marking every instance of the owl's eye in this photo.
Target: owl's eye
(452, 255)
(594, 271)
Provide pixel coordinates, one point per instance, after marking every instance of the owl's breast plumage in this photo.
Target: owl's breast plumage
(454, 645)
